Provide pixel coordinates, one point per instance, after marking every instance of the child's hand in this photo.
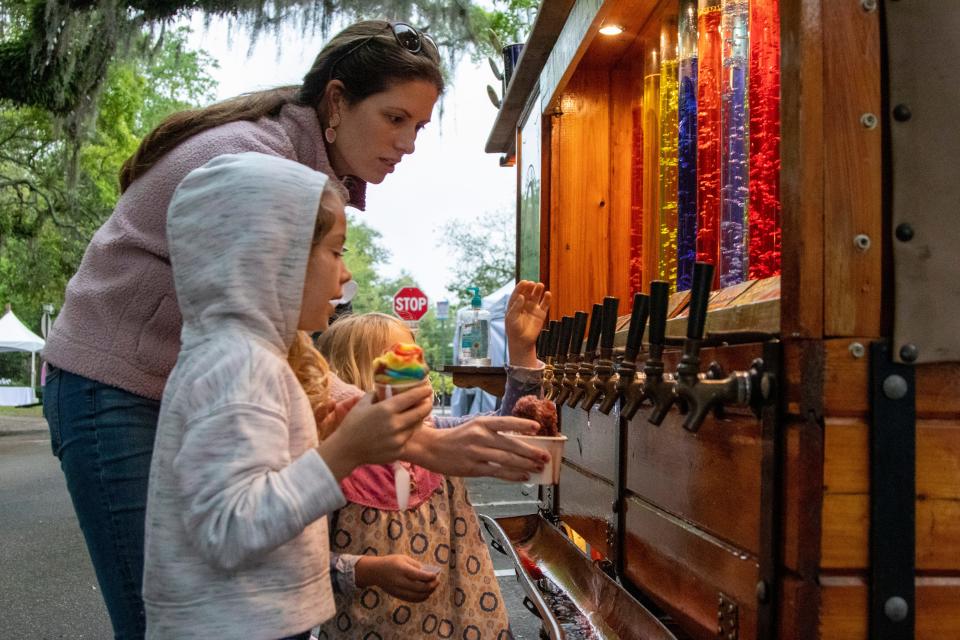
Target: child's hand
(526, 314)
(330, 414)
(375, 433)
(400, 576)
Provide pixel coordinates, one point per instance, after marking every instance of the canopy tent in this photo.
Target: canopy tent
(474, 400)
(15, 336)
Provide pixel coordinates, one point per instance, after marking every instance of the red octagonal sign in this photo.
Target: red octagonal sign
(410, 303)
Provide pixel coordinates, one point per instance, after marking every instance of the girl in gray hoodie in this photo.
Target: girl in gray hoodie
(239, 490)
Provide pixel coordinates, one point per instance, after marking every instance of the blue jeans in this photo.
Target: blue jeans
(103, 437)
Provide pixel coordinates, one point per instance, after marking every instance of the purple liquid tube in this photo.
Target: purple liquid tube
(734, 157)
(687, 147)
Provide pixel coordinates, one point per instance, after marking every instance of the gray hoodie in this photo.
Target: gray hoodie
(236, 538)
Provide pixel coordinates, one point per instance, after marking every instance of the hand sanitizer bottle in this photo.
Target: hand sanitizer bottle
(475, 332)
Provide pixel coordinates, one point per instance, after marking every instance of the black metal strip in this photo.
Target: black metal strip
(893, 422)
(771, 484)
(619, 537)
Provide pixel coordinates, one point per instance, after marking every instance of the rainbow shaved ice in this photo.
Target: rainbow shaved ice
(401, 364)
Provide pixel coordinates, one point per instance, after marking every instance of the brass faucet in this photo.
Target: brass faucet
(627, 368)
(572, 366)
(559, 361)
(701, 393)
(550, 347)
(585, 371)
(604, 380)
(658, 386)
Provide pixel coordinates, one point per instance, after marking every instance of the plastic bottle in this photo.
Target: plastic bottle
(475, 332)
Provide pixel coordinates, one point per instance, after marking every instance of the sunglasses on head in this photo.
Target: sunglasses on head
(408, 37)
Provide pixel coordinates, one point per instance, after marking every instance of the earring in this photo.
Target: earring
(330, 133)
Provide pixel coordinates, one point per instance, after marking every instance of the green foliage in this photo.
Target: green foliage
(508, 22)
(485, 253)
(47, 221)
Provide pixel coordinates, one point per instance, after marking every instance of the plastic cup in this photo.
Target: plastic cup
(552, 445)
(401, 477)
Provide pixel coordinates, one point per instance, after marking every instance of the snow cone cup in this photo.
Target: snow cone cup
(552, 445)
(384, 391)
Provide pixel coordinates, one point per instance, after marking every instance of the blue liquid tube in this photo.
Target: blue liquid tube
(734, 156)
(687, 146)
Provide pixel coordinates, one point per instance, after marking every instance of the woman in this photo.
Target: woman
(356, 114)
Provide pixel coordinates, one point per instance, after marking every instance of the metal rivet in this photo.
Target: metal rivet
(909, 352)
(896, 609)
(894, 387)
(766, 386)
(901, 113)
(904, 232)
(761, 591)
(869, 121)
(857, 350)
(869, 5)
(861, 241)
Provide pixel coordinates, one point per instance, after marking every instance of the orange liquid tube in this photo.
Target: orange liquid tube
(651, 155)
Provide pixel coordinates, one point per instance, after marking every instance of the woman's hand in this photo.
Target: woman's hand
(374, 433)
(400, 576)
(526, 314)
(476, 448)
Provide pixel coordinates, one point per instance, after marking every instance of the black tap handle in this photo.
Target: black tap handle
(593, 336)
(699, 297)
(554, 339)
(542, 344)
(579, 328)
(566, 328)
(610, 305)
(638, 322)
(659, 299)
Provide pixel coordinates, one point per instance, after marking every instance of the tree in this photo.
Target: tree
(54, 54)
(46, 220)
(485, 253)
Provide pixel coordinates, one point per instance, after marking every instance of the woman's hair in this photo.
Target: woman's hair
(307, 363)
(364, 68)
(352, 342)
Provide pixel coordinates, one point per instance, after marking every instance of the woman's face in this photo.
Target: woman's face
(326, 272)
(375, 133)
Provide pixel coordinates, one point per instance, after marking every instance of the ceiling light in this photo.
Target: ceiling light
(611, 30)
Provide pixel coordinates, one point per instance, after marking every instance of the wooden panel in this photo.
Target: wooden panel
(802, 497)
(847, 379)
(592, 440)
(798, 603)
(846, 503)
(801, 176)
(852, 170)
(567, 50)
(843, 613)
(626, 89)
(579, 224)
(586, 505)
(684, 570)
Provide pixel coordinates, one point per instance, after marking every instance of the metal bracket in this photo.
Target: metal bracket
(893, 421)
(728, 618)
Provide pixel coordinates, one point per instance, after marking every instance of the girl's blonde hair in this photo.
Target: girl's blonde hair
(307, 363)
(352, 342)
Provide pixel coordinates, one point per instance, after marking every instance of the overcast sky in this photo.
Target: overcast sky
(449, 177)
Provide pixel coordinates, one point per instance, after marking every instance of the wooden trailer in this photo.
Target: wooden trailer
(831, 507)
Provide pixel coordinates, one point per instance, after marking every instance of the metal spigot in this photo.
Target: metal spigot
(657, 386)
(572, 366)
(550, 348)
(627, 376)
(604, 377)
(559, 360)
(585, 371)
(702, 393)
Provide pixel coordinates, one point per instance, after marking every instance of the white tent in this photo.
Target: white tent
(14, 336)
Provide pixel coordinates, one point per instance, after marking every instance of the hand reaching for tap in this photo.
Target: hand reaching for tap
(526, 315)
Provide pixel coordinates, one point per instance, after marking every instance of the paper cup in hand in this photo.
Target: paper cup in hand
(552, 445)
(385, 391)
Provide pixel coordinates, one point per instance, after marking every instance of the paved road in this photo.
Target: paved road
(48, 586)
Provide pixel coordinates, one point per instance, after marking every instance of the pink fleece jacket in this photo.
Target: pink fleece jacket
(120, 322)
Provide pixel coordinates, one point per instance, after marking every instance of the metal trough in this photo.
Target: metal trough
(573, 597)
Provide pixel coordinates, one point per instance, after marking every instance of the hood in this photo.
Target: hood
(240, 230)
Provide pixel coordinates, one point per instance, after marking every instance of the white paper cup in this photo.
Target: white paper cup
(385, 391)
(552, 445)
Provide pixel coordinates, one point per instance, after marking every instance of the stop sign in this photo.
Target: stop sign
(410, 303)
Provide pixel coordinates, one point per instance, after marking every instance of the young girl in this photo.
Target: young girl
(384, 578)
(236, 534)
